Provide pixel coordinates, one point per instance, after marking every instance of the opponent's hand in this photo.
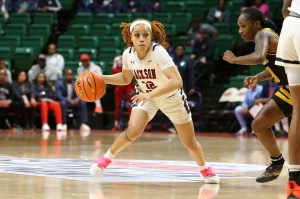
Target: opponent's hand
(140, 98)
(249, 81)
(229, 56)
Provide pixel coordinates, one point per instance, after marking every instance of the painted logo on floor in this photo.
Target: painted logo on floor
(122, 170)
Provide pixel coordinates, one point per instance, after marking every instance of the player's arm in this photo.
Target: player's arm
(254, 58)
(264, 75)
(285, 11)
(174, 82)
(123, 78)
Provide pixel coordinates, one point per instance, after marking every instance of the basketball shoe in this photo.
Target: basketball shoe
(271, 173)
(293, 190)
(209, 176)
(97, 168)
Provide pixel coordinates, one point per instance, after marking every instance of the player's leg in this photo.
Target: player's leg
(139, 118)
(262, 126)
(187, 136)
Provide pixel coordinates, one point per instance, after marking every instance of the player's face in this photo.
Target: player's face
(141, 38)
(247, 28)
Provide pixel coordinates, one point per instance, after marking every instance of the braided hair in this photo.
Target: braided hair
(256, 15)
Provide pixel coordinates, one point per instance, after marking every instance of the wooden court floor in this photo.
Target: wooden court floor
(56, 166)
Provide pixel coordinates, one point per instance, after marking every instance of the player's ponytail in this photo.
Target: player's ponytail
(126, 33)
(256, 15)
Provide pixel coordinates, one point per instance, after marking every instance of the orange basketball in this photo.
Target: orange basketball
(89, 86)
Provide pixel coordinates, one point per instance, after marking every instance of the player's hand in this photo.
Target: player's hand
(250, 80)
(140, 98)
(229, 56)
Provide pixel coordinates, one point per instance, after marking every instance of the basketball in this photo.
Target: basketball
(89, 86)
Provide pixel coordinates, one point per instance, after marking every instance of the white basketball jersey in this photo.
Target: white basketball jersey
(149, 71)
(295, 6)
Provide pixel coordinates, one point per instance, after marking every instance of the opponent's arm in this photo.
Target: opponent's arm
(285, 11)
(123, 78)
(257, 57)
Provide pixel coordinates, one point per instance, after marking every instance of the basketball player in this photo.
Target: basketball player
(254, 27)
(288, 55)
(161, 88)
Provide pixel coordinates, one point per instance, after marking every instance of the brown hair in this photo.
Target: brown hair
(158, 32)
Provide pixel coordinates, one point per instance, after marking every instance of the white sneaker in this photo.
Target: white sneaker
(45, 127)
(59, 127)
(84, 127)
(242, 131)
(64, 127)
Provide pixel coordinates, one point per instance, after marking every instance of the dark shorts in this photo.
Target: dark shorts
(284, 101)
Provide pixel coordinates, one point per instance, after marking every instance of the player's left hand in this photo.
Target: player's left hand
(140, 98)
(229, 56)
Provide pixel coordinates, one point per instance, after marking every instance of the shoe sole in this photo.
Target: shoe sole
(96, 171)
(212, 180)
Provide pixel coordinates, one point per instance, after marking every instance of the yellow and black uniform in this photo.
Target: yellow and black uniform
(282, 97)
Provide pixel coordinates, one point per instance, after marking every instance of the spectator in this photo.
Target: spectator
(121, 92)
(6, 7)
(219, 13)
(196, 25)
(68, 99)
(25, 89)
(106, 6)
(168, 46)
(86, 5)
(262, 6)
(55, 61)
(9, 100)
(202, 56)
(46, 100)
(8, 73)
(87, 65)
(242, 111)
(51, 73)
(48, 5)
(154, 6)
(24, 6)
(132, 6)
(269, 88)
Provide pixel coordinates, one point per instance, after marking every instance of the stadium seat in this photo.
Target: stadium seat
(16, 18)
(73, 65)
(101, 18)
(83, 18)
(66, 41)
(88, 42)
(67, 53)
(108, 55)
(15, 30)
(223, 27)
(35, 42)
(43, 30)
(196, 9)
(6, 53)
(66, 4)
(99, 30)
(78, 30)
(223, 43)
(10, 41)
(173, 7)
(182, 22)
(43, 18)
(23, 58)
(121, 17)
(115, 30)
(180, 40)
(170, 28)
(109, 42)
(147, 16)
(164, 18)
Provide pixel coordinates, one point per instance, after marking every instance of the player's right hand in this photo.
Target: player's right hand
(250, 80)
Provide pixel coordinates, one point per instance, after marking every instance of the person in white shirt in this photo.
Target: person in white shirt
(160, 87)
(87, 65)
(288, 56)
(55, 60)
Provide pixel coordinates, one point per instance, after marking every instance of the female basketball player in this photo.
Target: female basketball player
(288, 55)
(160, 88)
(254, 27)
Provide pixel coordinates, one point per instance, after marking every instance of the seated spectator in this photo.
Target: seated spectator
(8, 73)
(10, 101)
(196, 25)
(132, 6)
(86, 5)
(168, 46)
(46, 101)
(242, 111)
(87, 65)
(121, 93)
(6, 7)
(25, 89)
(106, 6)
(202, 56)
(219, 13)
(55, 61)
(153, 6)
(51, 73)
(48, 5)
(68, 99)
(24, 6)
(262, 6)
(269, 88)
